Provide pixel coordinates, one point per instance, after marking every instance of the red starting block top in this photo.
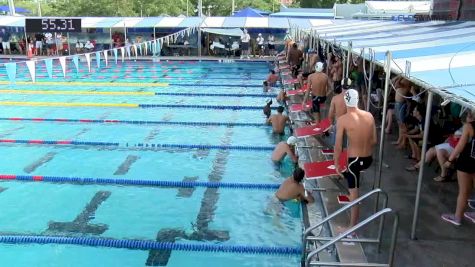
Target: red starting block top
(318, 129)
(296, 92)
(291, 81)
(316, 170)
(299, 91)
(298, 107)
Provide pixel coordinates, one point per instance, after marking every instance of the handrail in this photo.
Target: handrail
(356, 227)
(342, 209)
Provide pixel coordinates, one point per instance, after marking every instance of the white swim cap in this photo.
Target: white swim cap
(351, 98)
(292, 140)
(319, 67)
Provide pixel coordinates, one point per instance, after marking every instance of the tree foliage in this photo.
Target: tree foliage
(136, 8)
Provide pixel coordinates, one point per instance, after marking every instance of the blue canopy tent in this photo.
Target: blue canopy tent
(17, 9)
(248, 12)
(437, 55)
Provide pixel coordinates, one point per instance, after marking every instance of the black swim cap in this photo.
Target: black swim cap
(298, 174)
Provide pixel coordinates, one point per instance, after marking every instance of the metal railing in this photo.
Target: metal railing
(342, 237)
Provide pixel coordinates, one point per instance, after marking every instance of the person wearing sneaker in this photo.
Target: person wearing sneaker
(465, 166)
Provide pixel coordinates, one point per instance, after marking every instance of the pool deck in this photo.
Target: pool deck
(438, 243)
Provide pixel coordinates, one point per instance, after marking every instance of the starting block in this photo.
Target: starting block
(299, 91)
(317, 129)
(298, 107)
(316, 170)
(290, 81)
(284, 67)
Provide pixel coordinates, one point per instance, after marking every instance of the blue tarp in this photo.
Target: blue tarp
(17, 9)
(247, 12)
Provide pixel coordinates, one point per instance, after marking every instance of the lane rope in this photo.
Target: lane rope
(146, 244)
(115, 93)
(125, 105)
(111, 121)
(135, 182)
(132, 145)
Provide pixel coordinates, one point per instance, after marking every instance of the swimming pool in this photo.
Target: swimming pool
(162, 134)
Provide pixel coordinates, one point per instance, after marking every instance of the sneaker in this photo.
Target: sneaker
(471, 203)
(451, 219)
(470, 216)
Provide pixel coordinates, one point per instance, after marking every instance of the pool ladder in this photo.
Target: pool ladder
(311, 258)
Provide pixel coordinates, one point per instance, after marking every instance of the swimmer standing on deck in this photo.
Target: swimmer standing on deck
(360, 130)
(317, 85)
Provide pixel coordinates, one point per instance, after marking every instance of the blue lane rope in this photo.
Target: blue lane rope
(136, 182)
(201, 106)
(146, 244)
(212, 94)
(111, 121)
(140, 145)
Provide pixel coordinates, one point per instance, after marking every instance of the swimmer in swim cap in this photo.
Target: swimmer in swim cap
(360, 129)
(283, 149)
(318, 86)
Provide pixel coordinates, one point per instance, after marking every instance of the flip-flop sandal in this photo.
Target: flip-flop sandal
(412, 168)
(441, 178)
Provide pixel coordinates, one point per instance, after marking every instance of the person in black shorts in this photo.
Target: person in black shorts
(360, 129)
(316, 101)
(355, 166)
(465, 165)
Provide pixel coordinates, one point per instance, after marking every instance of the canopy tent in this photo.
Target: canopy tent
(321, 13)
(247, 12)
(185, 22)
(229, 32)
(438, 55)
(247, 22)
(17, 9)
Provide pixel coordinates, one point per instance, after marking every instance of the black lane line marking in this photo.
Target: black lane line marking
(125, 166)
(205, 214)
(34, 165)
(187, 192)
(81, 224)
(201, 154)
(10, 131)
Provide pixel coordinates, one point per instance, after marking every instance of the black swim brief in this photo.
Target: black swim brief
(316, 101)
(355, 166)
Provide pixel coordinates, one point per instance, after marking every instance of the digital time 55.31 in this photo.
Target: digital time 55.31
(53, 25)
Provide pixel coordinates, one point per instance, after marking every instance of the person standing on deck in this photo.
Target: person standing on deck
(360, 129)
(318, 85)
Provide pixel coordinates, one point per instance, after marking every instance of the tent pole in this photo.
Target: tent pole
(69, 43)
(125, 33)
(370, 82)
(348, 57)
(377, 181)
(154, 34)
(110, 38)
(199, 42)
(27, 45)
(421, 168)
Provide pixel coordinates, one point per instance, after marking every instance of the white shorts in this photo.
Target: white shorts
(6, 45)
(39, 44)
(444, 146)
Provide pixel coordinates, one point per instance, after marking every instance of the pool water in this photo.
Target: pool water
(197, 215)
